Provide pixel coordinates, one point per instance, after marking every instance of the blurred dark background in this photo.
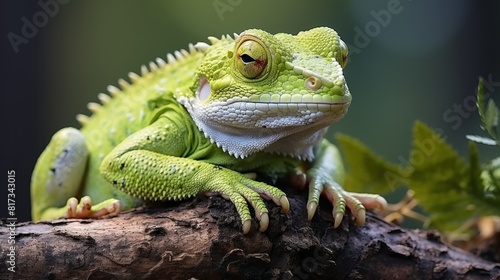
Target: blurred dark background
(409, 60)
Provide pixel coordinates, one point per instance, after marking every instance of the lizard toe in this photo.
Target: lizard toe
(284, 203)
(360, 217)
(109, 208)
(370, 201)
(356, 208)
(264, 222)
(247, 224)
(71, 206)
(336, 197)
(311, 209)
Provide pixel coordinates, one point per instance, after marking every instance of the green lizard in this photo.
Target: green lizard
(207, 121)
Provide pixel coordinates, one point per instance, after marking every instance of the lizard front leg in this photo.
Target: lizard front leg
(151, 164)
(324, 175)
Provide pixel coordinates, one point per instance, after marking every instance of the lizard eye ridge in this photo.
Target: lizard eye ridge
(251, 59)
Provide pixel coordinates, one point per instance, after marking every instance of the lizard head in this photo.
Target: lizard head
(274, 93)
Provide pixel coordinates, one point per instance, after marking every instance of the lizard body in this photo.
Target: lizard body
(248, 103)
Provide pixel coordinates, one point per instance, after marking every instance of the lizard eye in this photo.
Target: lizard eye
(245, 58)
(343, 54)
(251, 59)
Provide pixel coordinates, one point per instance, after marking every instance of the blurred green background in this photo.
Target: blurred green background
(409, 60)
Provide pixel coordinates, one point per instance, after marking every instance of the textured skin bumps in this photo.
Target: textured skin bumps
(256, 103)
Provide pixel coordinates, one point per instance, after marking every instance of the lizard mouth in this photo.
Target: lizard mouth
(287, 107)
(275, 103)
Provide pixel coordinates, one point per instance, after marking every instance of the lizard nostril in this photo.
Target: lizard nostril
(312, 83)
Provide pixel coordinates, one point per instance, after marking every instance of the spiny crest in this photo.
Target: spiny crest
(123, 84)
(154, 66)
(214, 40)
(160, 62)
(93, 107)
(104, 98)
(113, 90)
(82, 119)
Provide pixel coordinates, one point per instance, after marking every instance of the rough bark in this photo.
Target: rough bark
(201, 239)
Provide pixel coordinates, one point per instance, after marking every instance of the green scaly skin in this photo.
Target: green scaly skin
(256, 103)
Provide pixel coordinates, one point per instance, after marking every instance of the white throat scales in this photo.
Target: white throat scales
(242, 128)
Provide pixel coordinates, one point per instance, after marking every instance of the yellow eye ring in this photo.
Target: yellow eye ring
(251, 59)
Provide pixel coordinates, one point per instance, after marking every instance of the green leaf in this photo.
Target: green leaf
(446, 187)
(491, 118)
(366, 171)
(488, 113)
(491, 179)
(481, 99)
(437, 179)
(451, 189)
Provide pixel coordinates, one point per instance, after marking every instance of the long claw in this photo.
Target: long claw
(311, 209)
(335, 196)
(315, 190)
(357, 209)
(264, 222)
(71, 206)
(285, 204)
(246, 226)
(338, 219)
(360, 217)
(86, 205)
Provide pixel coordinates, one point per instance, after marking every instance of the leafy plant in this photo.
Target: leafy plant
(451, 189)
(489, 114)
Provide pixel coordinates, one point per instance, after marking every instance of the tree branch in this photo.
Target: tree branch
(201, 239)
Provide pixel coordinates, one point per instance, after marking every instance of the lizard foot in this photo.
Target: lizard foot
(356, 202)
(248, 191)
(85, 210)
